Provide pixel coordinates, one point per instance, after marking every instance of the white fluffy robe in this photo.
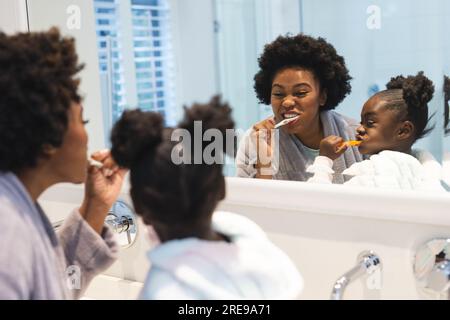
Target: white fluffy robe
(248, 267)
(388, 170)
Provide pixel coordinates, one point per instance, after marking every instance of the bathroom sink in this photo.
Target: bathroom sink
(112, 288)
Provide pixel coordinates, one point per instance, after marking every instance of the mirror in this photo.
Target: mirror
(162, 54)
(377, 41)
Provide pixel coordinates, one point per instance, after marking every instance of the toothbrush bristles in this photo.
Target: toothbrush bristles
(95, 163)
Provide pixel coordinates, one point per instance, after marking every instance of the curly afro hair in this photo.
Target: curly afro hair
(37, 88)
(305, 52)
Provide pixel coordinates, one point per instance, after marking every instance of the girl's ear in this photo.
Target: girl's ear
(406, 130)
(323, 97)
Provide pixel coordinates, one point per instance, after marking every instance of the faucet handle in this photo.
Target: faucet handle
(432, 268)
(370, 261)
(118, 224)
(439, 278)
(121, 219)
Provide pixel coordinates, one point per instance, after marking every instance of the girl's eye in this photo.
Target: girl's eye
(85, 122)
(300, 94)
(277, 94)
(370, 123)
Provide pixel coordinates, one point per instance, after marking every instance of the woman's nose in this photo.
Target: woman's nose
(288, 102)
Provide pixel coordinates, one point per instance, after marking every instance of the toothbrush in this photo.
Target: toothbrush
(95, 163)
(353, 143)
(285, 121)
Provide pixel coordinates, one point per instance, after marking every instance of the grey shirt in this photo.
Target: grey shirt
(36, 262)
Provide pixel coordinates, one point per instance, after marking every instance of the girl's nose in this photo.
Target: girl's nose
(360, 130)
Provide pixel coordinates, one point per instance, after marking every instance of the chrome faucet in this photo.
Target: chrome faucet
(367, 263)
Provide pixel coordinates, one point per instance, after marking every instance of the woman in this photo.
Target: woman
(44, 142)
(300, 77)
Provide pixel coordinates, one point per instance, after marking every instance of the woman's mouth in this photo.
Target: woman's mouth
(291, 115)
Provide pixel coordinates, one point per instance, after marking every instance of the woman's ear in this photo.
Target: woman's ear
(406, 130)
(323, 97)
(48, 150)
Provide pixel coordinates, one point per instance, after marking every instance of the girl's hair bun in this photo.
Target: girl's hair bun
(136, 133)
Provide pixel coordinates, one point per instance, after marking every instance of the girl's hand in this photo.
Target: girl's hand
(102, 188)
(332, 147)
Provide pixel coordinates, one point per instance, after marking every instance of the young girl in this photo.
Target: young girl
(391, 122)
(202, 254)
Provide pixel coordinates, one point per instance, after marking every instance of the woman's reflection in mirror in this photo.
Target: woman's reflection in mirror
(300, 77)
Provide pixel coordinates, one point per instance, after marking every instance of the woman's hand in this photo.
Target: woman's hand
(263, 137)
(332, 147)
(102, 188)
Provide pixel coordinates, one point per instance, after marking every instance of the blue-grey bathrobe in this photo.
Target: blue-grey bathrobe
(36, 262)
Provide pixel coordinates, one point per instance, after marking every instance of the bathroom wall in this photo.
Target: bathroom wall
(13, 16)
(195, 57)
(66, 14)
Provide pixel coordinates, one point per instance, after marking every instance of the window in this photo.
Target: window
(152, 46)
(135, 57)
(111, 70)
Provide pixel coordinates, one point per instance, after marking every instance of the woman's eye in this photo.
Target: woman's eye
(370, 123)
(277, 94)
(300, 94)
